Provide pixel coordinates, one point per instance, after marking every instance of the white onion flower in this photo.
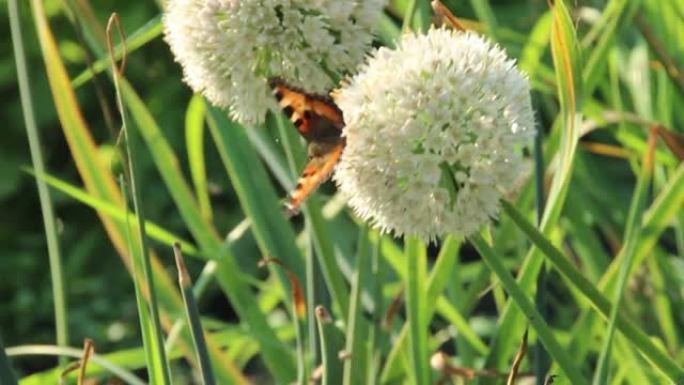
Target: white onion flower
(229, 48)
(434, 130)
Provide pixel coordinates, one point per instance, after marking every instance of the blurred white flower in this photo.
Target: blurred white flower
(434, 130)
(229, 48)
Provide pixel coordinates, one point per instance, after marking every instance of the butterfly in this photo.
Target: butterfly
(320, 122)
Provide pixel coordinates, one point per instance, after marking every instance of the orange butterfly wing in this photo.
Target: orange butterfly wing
(320, 122)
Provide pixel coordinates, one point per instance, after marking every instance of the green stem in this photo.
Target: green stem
(417, 309)
(130, 140)
(56, 274)
(193, 318)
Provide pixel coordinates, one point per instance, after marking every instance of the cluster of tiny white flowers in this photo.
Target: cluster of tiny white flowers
(229, 48)
(434, 130)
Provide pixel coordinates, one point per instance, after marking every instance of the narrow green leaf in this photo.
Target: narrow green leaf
(51, 350)
(662, 212)
(388, 30)
(194, 142)
(152, 230)
(664, 305)
(228, 273)
(642, 341)
(417, 309)
(332, 343)
(436, 301)
(535, 319)
(46, 208)
(257, 196)
(160, 364)
(616, 15)
(535, 47)
(417, 16)
(483, 11)
(193, 316)
(632, 229)
(156, 365)
(566, 57)
(356, 332)
(100, 183)
(143, 35)
(376, 281)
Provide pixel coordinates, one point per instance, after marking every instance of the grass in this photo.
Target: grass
(610, 236)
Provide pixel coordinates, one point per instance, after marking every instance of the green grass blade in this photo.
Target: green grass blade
(417, 309)
(662, 212)
(194, 142)
(148, 32)
(375, 349)
(192, 314)
(632, 229)
(616, 15)
(437, 281)
(566, 58)
(152, 342)
(276, 162)
(50, 350)
(47, 210)
(665, 305)
(417, 15)
(332, 342)
(537, 42)
(567, 62)
(167, 162)
(100, 183)
(152, 230)
(356, 332)
(388, 30)
(637, 337)
(257, 196)
(229, 338)
(161, 364)
(228, 273)
(518, 295)
(483, 11)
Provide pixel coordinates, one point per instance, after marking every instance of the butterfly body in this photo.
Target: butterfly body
(320, 122)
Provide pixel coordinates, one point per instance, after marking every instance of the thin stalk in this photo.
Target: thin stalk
(374, 330)
(54, 257)
(541, 357)
(143, 310)
(332, 341)
(354, 370)
(417, 309)
(193, 318)
(130, 141)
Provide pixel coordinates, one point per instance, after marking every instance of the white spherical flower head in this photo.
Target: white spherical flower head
(434, 130)
(229, 48)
